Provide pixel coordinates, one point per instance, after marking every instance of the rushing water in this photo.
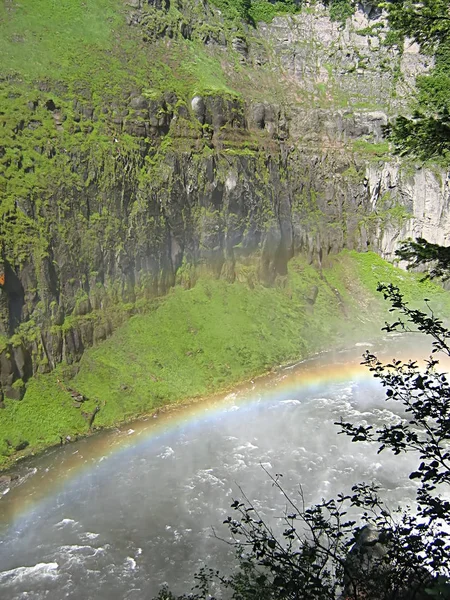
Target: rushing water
(120, 513)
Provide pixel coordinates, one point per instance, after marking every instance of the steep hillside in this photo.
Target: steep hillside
(153, 142)
(196, 341)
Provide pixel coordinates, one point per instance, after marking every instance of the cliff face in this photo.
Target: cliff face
(361, 78)
(423, 195)
(111, 198)
(127, 239)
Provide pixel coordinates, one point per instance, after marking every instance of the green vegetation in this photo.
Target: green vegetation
(263, 10)
(393, 38)
(234, 9)
(340, 10)
(371, 150)
(42, 39)
(45, 414)
(421, 253)
(208, 338)
(355, 545)
(88, 47)
(258, 10)
(368, 270)
(203, 72)
(427, 22)
(427, 134)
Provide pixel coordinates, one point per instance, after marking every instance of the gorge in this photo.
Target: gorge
(192, 194)
(191, 144)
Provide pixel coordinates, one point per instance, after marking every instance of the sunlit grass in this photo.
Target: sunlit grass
(208, 338)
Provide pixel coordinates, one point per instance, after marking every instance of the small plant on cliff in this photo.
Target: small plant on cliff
(341, 10)
(263, 10)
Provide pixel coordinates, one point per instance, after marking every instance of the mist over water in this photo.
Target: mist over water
(121, 513)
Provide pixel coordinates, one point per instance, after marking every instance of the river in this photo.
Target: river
(116, 515)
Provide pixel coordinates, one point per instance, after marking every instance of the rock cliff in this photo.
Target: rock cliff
(242, 147)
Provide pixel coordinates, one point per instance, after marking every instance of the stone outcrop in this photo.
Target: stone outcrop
(368, 570)
(422, 194)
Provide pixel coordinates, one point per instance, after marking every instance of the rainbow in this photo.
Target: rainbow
(78, 459)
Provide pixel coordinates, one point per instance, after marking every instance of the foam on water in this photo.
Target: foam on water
(166, 453)
(35, 572)
(157, 489)
(130, 563)
(65, 522)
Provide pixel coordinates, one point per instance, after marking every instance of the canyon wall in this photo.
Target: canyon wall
(110, 200)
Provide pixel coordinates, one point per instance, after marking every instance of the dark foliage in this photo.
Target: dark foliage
(425, 397)
(421, 253)
(427, 134)
(427, 22)
(423, 136)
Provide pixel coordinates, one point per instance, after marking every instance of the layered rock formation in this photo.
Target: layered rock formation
(116, 199)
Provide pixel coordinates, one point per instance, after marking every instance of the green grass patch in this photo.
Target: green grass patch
(262, 10)
(372, 149)
(45, 38)
(88, 45)
(205, 339)
(209, 338)
(202, 71)
(357, 275)
(341, 10)
(45, 414)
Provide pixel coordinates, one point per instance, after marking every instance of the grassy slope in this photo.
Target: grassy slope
(48, 39)
(87, 45)
(208, 338)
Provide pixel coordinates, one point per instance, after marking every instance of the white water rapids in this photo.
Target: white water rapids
(117, 525)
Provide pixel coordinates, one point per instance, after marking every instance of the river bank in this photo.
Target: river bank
(118, 514)
(38, 475)
(203, 340)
